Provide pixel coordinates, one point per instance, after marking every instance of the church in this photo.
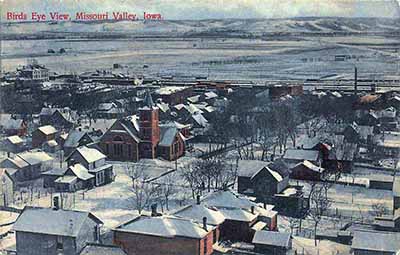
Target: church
(142, 136)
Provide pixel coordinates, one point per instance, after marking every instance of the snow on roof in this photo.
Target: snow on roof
(199, 118)
(164, 107)
(15, 139)
(275, 174)
(169, 90)
(180, 107)
(226, 199)
(34, 157)
(259, 226)
(7, 121)
(47, 130)
(4, 171)
(248, 168)
(81, 172)
(210, 95)
(376, 241)
(66, 179)
(237, 214)
(272, 238)
(396, 187)
(193, 109)
(14, 163)
(73, 138)
(52, 222)
(165, 226)
(168, 135)
(51, 143)
(311, 166)
(56, 171)
(101, 249)
(194, 99)
(90, 154)
(197, 212)
(298, 154)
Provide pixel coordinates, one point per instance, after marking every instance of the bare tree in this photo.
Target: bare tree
(168, 187)
(144, 192)
(319, 206)
(192, 178)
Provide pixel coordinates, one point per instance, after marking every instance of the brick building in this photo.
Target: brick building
(142, 136)
(164, 235)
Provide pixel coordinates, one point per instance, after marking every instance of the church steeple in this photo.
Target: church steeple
(148, 100)
(149, 127)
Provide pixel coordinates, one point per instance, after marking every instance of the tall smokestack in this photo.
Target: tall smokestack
(355, 81)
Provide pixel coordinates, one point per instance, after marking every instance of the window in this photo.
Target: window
(100, 178)
(60, 245)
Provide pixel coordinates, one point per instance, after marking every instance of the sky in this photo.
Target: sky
(215, 9)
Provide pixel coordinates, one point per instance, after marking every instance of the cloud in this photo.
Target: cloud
(207, 9)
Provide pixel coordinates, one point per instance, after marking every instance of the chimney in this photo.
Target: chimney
(205, 223)
(355, 81)
(198, 199)
(56, 203)
(154, 210)
(265, 205)
(80, 129)
(252, 209)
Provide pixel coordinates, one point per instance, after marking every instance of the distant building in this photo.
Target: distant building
(173, 95)
(75, 139)
(255, 178)
(12, 144)
(54, 231)
(6, 188)
(307, 171)
(94, 162)
(34, 71)
(60, 118)
(11, 125)
(278, 91)
(295, 156)
(273, 243)
(157, 235)
(375, 242)
(27, 165)
(43, 134)
(241, 215)
(133, 138)
(76, 177)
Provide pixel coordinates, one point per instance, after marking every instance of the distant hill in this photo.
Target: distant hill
(228, 27)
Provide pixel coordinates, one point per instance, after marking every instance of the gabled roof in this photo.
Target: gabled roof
(376, 241)
(307, 164)
(90, 154)
(131, 126)
(226, 199)
(167, 135)
(53, 222)
(81, 172)
(237, 214)
(34, 157)
(15, 139)
(14, 163)
(73, 138)
(197, 212)
(4, 171)
(47, 130)
(200, 120)
(101, 249)
(298, 154)
(210, 95)
(8, 122)
(272, 238)
(165, 226)
(148, 100)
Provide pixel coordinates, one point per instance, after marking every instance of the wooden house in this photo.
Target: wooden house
(6, 188)
(307, 171)
(42, 135)
(95, 162)
(271, 242)
(55, 231)
(76, 177)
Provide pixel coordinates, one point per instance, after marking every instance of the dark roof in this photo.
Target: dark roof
(272, 238)
(52, 222)
(280, 166)
(131, 125)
